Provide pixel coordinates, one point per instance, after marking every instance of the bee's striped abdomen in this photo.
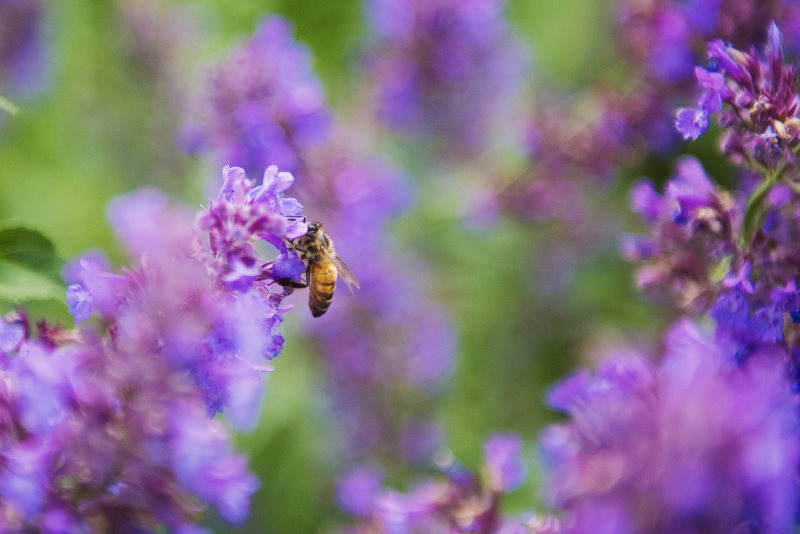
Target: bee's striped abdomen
(323, 284)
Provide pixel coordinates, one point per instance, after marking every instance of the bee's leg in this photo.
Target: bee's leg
(288, 282)
(294, 284)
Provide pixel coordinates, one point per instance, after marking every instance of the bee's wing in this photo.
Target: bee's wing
(347, 275)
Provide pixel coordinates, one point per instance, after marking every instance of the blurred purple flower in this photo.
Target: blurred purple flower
(80, 302)
(357, 489)
(505, 469)
(23, 61)
(461, 503)
(718, 444)
(11, 336)
(692, 228)
(263, 104)
(112, 431)
(441, 68)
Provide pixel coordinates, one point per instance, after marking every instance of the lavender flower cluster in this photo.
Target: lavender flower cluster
(464, 502)
(734, 254)
(705, 440)
(109, 429)
(572, 150)
(381, 364)
(262, 105)
(694, 445)
(441, 69)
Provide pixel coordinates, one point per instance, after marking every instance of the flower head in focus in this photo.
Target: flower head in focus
(756, 98)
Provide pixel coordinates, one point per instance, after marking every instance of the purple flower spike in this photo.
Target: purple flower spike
(441, 69)
(761, 116)
(718, 444)
(463, 502)
(263, 105)
(23, 58)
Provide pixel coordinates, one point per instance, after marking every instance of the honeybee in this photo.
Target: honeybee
(322, 267)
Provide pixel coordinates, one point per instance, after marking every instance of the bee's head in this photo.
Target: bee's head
(314, 228)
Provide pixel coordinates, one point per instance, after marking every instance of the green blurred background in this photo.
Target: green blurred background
(100, 129)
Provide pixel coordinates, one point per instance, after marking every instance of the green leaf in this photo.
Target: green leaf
(27, 247)
(29, 265)
(18, 283)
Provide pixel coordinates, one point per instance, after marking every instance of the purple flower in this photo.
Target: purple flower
(462, 503)
(97, 435)
(23, 62)
(114, 428)
(205, 463)
(241, 217)
(22, 482)
(80, 302)
(104, 290)
(263, 105)
(731, 311)
(441, 69)
(760, 92)
(288, 265)
(357, 489)
(691, 123)
(11, 336)
(714, 85)
(739, 278)
(693, 234)
(505, 470)
(717, 443)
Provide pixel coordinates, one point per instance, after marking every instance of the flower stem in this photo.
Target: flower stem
(7, 106)
(755, 207)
